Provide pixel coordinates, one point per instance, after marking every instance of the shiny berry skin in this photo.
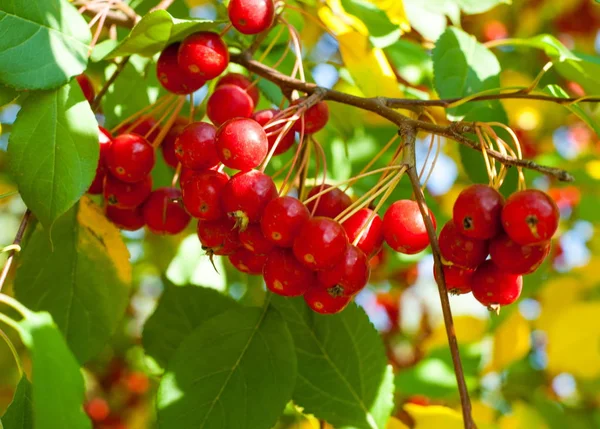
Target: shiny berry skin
(315, 118)
(404, 229)
(164, 212)
(202, 195)
(97, 409)
(172, 77)
(126, 195)
(530, 217)
(243, 82)
(493, 286)
(477, 210)
(517, 259)
(284, 275)
(253, 239)
(321, 243)
(204, 55)
(246, 195)
(286, 142)
(130, 158)
(351, 274)
(86, 87)
(248, 262)
(330, 204)
(241, 144)
(127, 219)
(228, 102)
(282, 219)
(218, 237)
(463, 251)
(371, 239)
(251, 16)
(195, 146)
(325, 301)
(458, 279)
(104, 141)
(167, 146)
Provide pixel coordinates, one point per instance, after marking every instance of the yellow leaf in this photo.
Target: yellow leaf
(557, 295)
(469, 329)
(523, 416)
(394, 9)
(482, 413)
(434, 417)
(573, 341)
(511, 342)
(338, 21)
(593, 169)
(394, 423)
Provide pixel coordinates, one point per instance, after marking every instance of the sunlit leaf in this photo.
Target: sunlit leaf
(511, 342)
(557, 91)
(468, 329)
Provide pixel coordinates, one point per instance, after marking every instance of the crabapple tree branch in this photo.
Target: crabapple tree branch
(116, 17)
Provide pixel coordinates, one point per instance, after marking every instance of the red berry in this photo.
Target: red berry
(204, 55)
(286, 142)
(460, 250)
(86, 87)
(477, 210)
(127, 219)
(243, 82)
(330, 204)
(315, 118)
(130, 158)
(142, 127)
(371, 239)
(246, 195)
(493, 286)
(137, 383)
(104, 140)
(351, 274)
(97, 409)
(284, 275)
(254, 240)
(218, 237)
(195, 146)
(458, 279)
(251, 16)
(321, 243)
(126, 195)
(172, 77)
(241, 144)
(248, 262)
(282, 219)
(185, 175)
(167, 146)
(325, 301)
(202, 195)
(404, 229)
(530, 217)
(164, 212)
(517, 259)
(228, 102)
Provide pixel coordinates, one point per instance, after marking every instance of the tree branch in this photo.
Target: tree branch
(108, 83)
(116, 17)
(16, 247)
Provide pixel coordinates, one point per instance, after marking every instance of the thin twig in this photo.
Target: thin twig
(163, 5)
(116, 17)
(16, 243)
(108, 83)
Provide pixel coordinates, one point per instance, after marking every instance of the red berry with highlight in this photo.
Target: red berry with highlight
(461, 250)
(404, 229)
(321, 243)
(371, 239)
(164, 212)
(204, 55)
(167, 146)
(195, 146)
(126, 195)
(86, 87)
(243, 82)
(492, 286)
(330, 204)
(251, 16)
(351, 274)
(241, 144)
(172, 77)
(515, 258)
(530, 217)
(228, 102)
(287, 141)
(315, 118)
(282, 219)
(326, 301)
(202, 195)
(218, 237)
(458, 279)
(285, 276)
(246, 195)
(130, 158)
(127, 219)
(253, 239)
(477, 211)
(248, 262)
(104, 141)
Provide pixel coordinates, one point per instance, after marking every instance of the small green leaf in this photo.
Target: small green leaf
(43, 43)
(236, 371)
(7, 95)
(585, 71)
(180, 311)
(53, 151)
(546, 42)
(19, 414)
(82, 277)
(557, 91)
(184, 27)
(382, 32)
(343, 376)
(411, 61)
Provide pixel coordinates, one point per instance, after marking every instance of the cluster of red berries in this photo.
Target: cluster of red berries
(515, 233)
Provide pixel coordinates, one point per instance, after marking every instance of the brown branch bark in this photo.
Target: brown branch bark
(108, 83)
(16, 242)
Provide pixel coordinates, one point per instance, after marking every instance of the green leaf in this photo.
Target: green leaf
(343, 376)
(7, 95)
(557, 91)
(180, 311)
(184, 27)
(82, 277)
(43, 43)
(236, 371)
(411, 61)
(19, 414)
(53, 151)
(546, 42)
(382, 32)
(585, 71)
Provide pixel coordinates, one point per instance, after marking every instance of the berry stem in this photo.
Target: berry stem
(108, 83)
(170, 122)
(176, 175)
(372, 161)
(16, 247)
(13, 351)
(156, 105)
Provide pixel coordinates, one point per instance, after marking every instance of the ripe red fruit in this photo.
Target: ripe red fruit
(477, 210)
(517, 259)
(228, 102)
(315, 118)
(172, 77)
(458, 279)
(325, 301)
(321, 243)
(130, 158)
(126, 195)
(241, 144)
(202, 195)
(127, 219)
(137, 383)
(195, 146)
(167, 146)
(351, 274)
(142, 128)
(164, 212)
(330, 204)
(493, 286)
(97, 409)
(286, 142)
(86, 87)
(372, 238)
(253, 239)
(251, 16)
(530, 217)
(218, 237)
(404, 229)
(204, 55)
(243, 82)
(246, 195)
(248, 262)
(284, 275)
(104, 140)
(282, 219)
(460, 250)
